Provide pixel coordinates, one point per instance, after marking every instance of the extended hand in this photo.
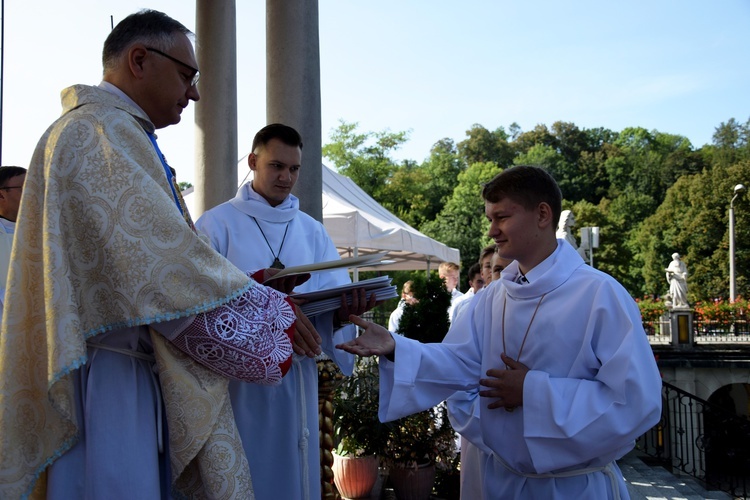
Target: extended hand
(306, 338)
(506, 384)
(374, 340)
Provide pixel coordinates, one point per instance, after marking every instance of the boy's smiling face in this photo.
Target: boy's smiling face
(521, 234)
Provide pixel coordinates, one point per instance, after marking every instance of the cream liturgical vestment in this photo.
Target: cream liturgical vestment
(101, 252)
(279, 425)
(592, 389)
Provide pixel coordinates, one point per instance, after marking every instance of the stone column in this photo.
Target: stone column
(293, 88)
(216, 112)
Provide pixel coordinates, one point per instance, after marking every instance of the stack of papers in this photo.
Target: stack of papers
(349, 262)
(322, 301)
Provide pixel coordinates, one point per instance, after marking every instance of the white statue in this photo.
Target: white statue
(565, 232)
(677, 279)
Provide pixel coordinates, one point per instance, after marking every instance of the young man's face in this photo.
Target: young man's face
(516, 231)
(498, 264)
(486, 268)
(451, 279)
(276, 168)
(477, 283)
(10, 197)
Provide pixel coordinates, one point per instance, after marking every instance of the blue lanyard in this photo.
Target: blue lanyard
(167, 172)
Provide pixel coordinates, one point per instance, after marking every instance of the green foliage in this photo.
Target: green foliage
(483, 146)
(426, 436)
(182, 186)
(693, 221)
(364, 158)
(427, 320)
(358, 431)
(651, 193)
(720, 311)
(461, 223)
(651, 309)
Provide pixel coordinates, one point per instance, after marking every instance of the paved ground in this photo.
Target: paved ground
(645, 482)
(648, 482)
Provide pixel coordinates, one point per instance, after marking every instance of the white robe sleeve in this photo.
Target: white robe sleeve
(426, 374)
(571, 420)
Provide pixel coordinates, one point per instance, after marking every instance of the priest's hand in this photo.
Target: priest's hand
(359, 305)
(505, 384)
(306, 338)
(285, 284)
(374, 340)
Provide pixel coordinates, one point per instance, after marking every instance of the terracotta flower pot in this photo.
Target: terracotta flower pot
(355, 477)
(413, 483)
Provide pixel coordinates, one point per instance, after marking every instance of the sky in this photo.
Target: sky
(432, 68)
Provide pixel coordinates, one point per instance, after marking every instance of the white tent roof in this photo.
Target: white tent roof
(358, 225)
(354, 219)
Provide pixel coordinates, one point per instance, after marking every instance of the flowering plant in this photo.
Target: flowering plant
(651, 309)
(722, 311)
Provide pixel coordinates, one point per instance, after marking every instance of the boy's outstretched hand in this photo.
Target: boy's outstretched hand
(374, 340)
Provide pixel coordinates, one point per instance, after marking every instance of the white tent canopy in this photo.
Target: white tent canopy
(358, 225)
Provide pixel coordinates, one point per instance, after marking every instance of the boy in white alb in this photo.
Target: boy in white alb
(263, 227)
(557, 348)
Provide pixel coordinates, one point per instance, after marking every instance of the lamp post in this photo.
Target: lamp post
(732, 291)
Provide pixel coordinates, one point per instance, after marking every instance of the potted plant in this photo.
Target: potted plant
(420, 443)
(360, 438)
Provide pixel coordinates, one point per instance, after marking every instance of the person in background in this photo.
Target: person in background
(449, 273)
(407, 298)
(11, 187)
(498, 263)
(263, 227)
(476, 283)
(556, 348)
(485, 256)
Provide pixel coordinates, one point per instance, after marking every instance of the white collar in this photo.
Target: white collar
(248, 201)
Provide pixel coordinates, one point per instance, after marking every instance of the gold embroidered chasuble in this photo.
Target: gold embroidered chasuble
(100, 245)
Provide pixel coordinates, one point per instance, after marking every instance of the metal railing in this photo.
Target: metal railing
(704, 331)
(701, 439)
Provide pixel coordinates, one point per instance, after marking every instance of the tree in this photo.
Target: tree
(481, 146)
(462, 223)
(693, 221)
(364, 158)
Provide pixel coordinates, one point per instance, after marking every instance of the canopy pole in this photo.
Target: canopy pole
(356, 269)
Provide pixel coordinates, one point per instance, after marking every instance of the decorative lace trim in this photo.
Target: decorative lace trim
(244, 339)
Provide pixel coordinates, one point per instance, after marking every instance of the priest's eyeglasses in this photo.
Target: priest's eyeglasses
(11, 187)
(196, 74)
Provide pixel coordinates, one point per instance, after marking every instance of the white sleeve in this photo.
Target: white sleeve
(569, 420)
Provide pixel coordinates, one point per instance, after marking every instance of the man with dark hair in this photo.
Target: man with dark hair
(476, 282)
(122, 326)
(11, 187)
(577, 381)
(485, 256)
(263, 227)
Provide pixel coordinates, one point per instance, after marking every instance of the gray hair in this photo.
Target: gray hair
(149, 27)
